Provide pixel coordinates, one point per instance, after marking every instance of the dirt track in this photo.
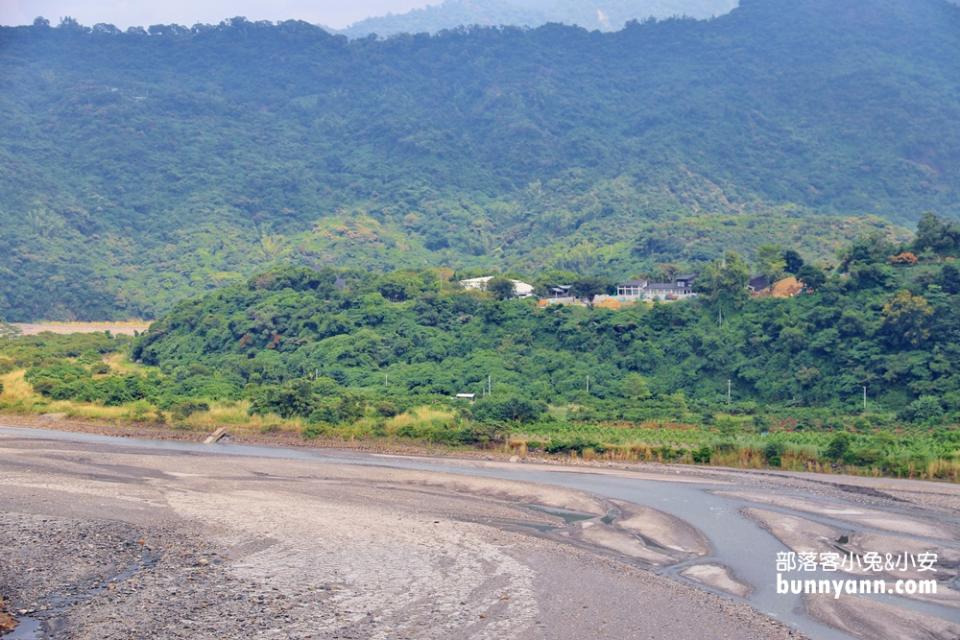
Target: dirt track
(112, 541)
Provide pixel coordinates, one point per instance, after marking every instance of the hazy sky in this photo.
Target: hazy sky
(125, 13)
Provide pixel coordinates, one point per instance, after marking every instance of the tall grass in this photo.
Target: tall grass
(420, 420)
(733, 442)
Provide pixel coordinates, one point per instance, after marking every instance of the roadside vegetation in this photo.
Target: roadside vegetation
(351, 355)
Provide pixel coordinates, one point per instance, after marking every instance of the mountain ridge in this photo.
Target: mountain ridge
(605, 15)
(139, 169)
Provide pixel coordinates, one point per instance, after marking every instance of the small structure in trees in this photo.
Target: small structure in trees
(758, 285)
(679, 288)
(520, 289)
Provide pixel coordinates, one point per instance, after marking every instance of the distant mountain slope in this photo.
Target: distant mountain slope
(605, 15)
(138, 169)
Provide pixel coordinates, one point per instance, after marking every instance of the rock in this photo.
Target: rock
(514, 459)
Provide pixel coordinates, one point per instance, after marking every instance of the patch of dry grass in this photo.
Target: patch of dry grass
(15, 388)
(420, 417)
(236, 415)
(120, 363)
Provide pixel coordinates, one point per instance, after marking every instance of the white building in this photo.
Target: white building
(520, 289)
(679, 289)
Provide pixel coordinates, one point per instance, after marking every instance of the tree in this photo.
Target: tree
(502, 288)
(870, 276)
(400, 286)
(344, 409)
(937, 235)
(812, 277)
(906, 319)
(925, 409)
(793, 261)
(870, 249)
(949, 279)
(726, 280)
(507, 409)
(588, 287)
(635, 387)
(838, 447)
(68, 23)
(295, 398)
(103, 28)
(770, 261)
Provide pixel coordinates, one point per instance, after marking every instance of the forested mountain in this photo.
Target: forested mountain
(606, 15)
(138, 168)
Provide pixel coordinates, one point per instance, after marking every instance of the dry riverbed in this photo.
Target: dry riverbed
(105, 542)
(112, 540)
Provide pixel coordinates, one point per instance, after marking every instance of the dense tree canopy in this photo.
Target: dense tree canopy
(139, 168)
(900, 337)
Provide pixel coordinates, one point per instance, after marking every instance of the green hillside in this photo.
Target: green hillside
(137, 169)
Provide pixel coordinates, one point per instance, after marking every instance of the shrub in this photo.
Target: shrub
(344, 409)
(508, 409)
(482, 434)
(576, 445)
(100, 368)
(703, 454)
(314, 430)
(838, 447)
(761, 423)
(668, 453)
(924, 409)
(185, 409)
(863, 456)
(139, 411)
(387, 409)
(773, 453)
(292, 399)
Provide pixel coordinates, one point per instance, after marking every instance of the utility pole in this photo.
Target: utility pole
(720, 316)
(588, 385)
(489, 384)
(386, 379)
(729, 391)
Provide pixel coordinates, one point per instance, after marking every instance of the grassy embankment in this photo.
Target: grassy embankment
(731, 440)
